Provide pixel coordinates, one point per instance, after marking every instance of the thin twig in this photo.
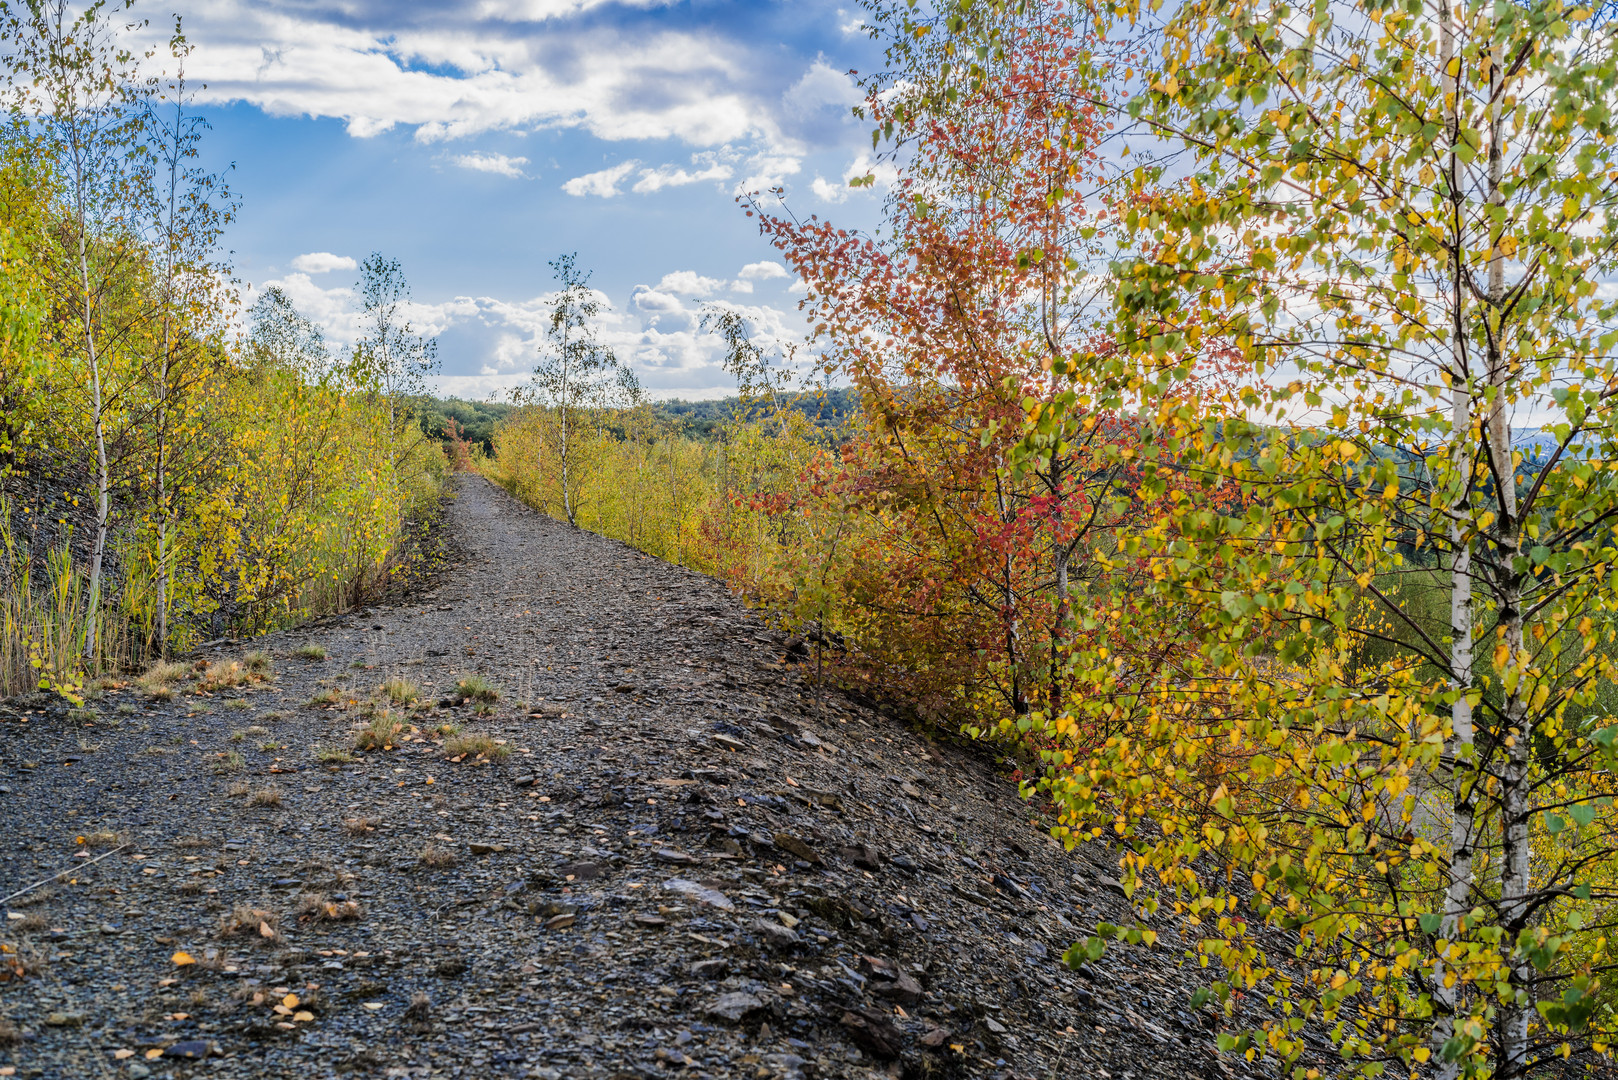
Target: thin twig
(53, 877)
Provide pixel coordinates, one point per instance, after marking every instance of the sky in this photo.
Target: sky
(475, 141)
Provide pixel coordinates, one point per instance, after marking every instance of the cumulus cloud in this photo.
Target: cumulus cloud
(826, 191)
(499, 164)
(689, 283)
(768, 171)
(710, 165)
(883, 176)
(709, 168)
(762, 271)
(322, 262)
(449, 71)
(603, 183)
(820, 86)
(489, 345)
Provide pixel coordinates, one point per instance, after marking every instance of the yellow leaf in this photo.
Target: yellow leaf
(303, 1016)
(290, 1001)
(181, 959)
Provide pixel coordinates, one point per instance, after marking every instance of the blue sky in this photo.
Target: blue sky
(476, 141)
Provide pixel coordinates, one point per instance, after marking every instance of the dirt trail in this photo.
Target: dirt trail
(683, 866)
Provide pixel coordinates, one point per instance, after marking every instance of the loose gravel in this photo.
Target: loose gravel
(657, 851)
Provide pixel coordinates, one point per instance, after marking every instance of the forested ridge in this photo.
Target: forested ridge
(1217, 431)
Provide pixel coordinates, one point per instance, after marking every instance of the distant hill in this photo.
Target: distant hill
(478, 420)
(700, 419)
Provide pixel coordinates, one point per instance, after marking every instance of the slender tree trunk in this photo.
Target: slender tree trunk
(1514, 869)
(1063, 555)
(1013, 625)
(163, 525)
(567, 496)
(1461, 748)
(165, 359)
(103, 474)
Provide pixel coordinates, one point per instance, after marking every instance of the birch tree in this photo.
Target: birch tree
(390, 357)
(575, 374)
(77, 88)
(1398, 723)
(188, 210)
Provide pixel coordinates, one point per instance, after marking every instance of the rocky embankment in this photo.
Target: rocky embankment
(657, 852)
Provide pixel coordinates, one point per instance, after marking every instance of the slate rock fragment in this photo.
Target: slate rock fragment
(735, 1006)
(190, 1049)
(700, 893)
(791, 844)
(774, 935)
(872, 1032)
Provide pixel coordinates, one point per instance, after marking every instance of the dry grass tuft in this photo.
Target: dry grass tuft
(239, 789)
(401, 691)
(20, 961)
(309, 651)
(222, 675)
(265, 796)
(324, 698)
(357, 826)
(103, 838)
(159, 679)
(316, 907)
(419, 1014)
(333, 755)
(10, 1033)
(260, 923)
(477, 688)
(258, 662)
(459, 747)
(228, 762)
(437, 858)
(381, 732)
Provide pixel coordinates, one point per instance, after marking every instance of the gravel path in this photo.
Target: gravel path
(682, 863)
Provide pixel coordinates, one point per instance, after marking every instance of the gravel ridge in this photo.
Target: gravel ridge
(687, 862)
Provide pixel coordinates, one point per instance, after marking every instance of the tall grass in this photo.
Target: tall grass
(44, 621)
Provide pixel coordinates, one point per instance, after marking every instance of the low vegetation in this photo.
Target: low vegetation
(459, 747)
(381, 732)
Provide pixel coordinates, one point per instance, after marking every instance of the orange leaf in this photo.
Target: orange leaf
(182, 958)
